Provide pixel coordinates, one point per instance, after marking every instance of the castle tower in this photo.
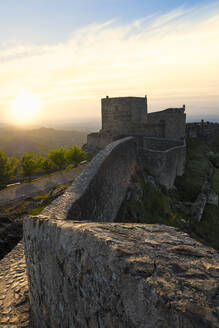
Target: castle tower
(124, 114)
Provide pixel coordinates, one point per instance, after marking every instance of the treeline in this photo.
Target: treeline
(31, 163)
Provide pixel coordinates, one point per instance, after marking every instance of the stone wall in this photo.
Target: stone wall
(164, 165)
(162, 158)
(90, 275)
(98, 141)
(174, 120)
(100, 274)
(99, 191)
(205, 130)
(160, 143)
(119, 114)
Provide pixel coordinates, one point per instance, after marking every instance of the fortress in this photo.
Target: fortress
(87, 271)
(159, 136)
(125, 116)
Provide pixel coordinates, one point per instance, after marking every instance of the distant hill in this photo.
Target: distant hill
(16, 141)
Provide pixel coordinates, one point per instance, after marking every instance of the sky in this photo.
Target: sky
(67, 55)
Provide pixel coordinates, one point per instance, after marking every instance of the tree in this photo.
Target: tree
(14, 162)
(6, 169)
(29, 164)
(75, 155)
(46, 164)
(57, 156)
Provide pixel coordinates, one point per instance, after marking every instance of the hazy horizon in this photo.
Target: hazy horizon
(57, 61)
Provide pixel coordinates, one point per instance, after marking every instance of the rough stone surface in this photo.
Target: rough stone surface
(119, 275)
(14, 300)
(120, 115)
(164, 165)
(99, 191)
(174, 120)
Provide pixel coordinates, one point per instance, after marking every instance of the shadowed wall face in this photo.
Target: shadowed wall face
(174, 120)
(99, 191)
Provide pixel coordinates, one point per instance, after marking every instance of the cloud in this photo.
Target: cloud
(171, 57)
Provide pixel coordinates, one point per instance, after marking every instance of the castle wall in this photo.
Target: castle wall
(99, 274)
(165, 164)
(99, 191)
(98, 141)
(119, 114)
(174, 120)
(205, 130)
(109, 275)
(161, 143)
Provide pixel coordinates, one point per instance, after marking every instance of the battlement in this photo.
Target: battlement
(180, 110)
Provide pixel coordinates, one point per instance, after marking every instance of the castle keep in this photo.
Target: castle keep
(128, 116)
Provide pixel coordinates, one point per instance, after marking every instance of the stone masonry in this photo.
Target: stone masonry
(109, 275)
(128, 116)
(86, 271)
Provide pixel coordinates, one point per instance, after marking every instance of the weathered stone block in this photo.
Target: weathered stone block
(119, 275)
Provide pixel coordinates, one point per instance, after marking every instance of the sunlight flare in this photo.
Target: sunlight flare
(25, 108)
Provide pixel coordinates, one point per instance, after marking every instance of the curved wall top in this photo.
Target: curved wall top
(98, 192)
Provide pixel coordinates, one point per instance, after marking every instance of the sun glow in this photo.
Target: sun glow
(24, 108)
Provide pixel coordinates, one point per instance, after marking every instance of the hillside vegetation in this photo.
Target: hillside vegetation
(17, 141)
(147, 202)
(30, 163)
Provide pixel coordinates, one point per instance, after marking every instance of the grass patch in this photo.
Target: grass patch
(41, 197)
(37, 210)
(207, 230)
(151, 206)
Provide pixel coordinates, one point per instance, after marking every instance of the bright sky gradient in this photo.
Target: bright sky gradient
(70, 53)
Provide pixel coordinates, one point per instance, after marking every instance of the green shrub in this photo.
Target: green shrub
(7, 168)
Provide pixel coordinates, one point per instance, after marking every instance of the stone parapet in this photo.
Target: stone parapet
(162, 158)
(110, 275)
(99, 191)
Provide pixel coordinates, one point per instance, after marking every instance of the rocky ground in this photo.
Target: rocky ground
(14, 301)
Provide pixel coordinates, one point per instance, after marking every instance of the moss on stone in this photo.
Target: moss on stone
(36, 211)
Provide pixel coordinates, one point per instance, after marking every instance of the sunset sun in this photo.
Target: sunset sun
(25, 107)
